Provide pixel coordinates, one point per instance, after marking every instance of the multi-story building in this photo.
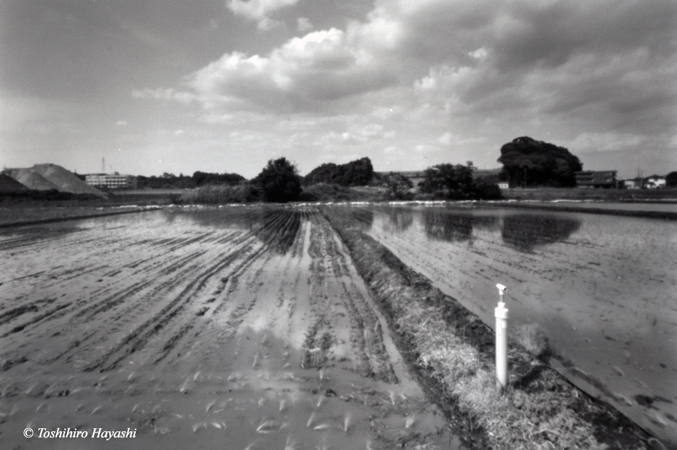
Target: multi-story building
(111, 181)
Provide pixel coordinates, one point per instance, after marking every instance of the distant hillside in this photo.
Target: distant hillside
(43, 177)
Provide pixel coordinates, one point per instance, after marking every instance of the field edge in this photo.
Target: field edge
(408, 300)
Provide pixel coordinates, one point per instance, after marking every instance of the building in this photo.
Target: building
(111, 181)
(632, 183)
(654, 182)
(596, 179)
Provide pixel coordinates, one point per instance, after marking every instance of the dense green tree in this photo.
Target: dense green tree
(527, 162)
(671, 179)
(355, 173)
(165, 181)
(456, 182)
(279, 181)
(206, 178)
(398, 186)
(449, 180)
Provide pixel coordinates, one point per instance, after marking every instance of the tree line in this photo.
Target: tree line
(526, 163)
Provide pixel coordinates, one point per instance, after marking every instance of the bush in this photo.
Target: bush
(456, 182)
(355, 173)
(399, 186)
(241, 193)
(483, 190)
(326, 192)
(279, 181)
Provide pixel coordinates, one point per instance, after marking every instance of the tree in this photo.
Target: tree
(206, 178)
(527, 162)
(279, 181)
(671, 179)
(355, 173)
(398, 185)
(449, 181)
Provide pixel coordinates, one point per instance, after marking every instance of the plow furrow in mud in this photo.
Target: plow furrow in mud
(247, 327)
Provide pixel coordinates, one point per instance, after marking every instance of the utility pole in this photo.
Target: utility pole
(103, 165)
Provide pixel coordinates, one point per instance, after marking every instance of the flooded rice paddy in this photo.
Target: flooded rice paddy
(238, 328)
(249, 328)
(603, 288)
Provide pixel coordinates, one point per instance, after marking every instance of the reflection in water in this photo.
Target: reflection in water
(364, 217)
(453, 226)
(601, 286)
(400, 219)
(276, 227)
(526, 231)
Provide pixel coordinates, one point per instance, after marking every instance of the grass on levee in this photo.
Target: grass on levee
(513, 418)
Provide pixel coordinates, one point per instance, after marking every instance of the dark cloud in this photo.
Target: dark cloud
(551, 35)
(85, 49)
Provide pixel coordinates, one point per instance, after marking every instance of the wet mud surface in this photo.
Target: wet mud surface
(601, 288)
(242, 328)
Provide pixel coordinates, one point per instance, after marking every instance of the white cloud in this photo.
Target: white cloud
(303, 24)
(259, 10)
(319, 67)
(457, 78)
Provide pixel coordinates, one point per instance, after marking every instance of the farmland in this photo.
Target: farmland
(600, 286)
(294, 327)
(248, 327)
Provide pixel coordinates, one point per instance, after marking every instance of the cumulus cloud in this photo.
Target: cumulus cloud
(473, 74)
(259, 10)
(548, 57)
(318, 67)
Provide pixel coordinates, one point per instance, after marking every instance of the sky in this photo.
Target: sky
(177, 86)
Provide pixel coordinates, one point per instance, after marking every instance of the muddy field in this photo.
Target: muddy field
(242, 328)
(601, 288)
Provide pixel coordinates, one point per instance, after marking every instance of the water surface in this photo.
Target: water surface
(601, 286)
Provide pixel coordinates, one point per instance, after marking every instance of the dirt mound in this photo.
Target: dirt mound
(32, 180)
(43, 177)
(9, 184)
(64, 180)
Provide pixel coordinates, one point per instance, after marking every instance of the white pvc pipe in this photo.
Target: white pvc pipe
(501, 313)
